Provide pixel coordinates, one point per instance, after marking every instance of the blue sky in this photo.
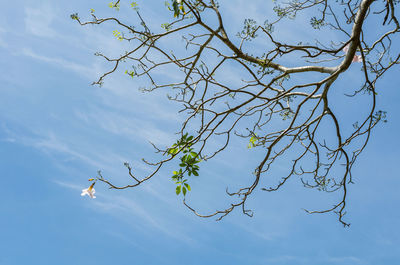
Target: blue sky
(56, 131)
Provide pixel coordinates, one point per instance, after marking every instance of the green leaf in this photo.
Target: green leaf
(173, 151)
(166, 26)
(184, 191)
(117, 34)
(130, 73)
(187, 186)
(195, 173)
(178, 190)
(75, 16)
(134, 5)
(112, 5)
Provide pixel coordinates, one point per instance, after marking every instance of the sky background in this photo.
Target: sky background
(56, 131)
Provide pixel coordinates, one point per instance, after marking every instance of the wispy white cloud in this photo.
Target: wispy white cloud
(67, 185)
(284, 259)
(130, 127)
(64, 148)
(85, 70)
(293, 259)
(8, 139)
(344, 260)
(50, 143)
(2, 41)
(115, 122)
(138, 214)
(39, 20)
(143, 217)
(129, 210)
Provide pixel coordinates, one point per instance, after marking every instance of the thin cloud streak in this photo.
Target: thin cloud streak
(132, 128)
(2, 41)
(123, 208)
(38, 21)
(86, 71)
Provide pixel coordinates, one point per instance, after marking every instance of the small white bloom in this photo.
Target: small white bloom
(179, 1)
(356, 58)
(346, 48)
(89, 191)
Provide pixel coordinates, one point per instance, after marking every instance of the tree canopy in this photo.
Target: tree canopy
(281, 101)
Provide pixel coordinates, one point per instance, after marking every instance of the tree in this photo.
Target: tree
(287, 111)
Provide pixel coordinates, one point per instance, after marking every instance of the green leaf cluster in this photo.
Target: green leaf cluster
(74, 16)
(166, 26)
(279, 82)
(135, 6)
(188, 163)
(288, 9)
(269, 27)
(181, 143)
(253, 141)
(279, 11)
(177, 7)
(113, 5)
(182, 186)
(379, 115)
(130, 73)
(118, 35)
(317, 23)
(249, 29)
(286, 114)
(322, 183)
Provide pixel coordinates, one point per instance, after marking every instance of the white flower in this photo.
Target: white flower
(356, 58)
(346, 48)
(89, 191)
